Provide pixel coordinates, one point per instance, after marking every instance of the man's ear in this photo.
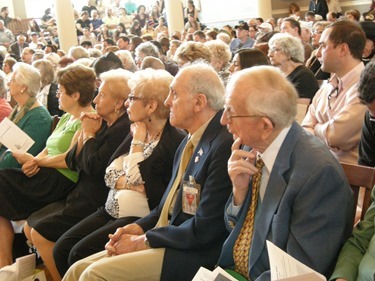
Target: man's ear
(200, 102)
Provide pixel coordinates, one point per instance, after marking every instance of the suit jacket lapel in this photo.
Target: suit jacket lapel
(199, 156)
(274, 193)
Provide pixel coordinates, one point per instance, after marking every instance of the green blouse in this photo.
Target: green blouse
(61, 139)
(37, 124)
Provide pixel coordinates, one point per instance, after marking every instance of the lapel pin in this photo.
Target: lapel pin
(200, 152)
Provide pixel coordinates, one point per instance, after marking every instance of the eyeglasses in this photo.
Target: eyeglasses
(231, 117)
(272, 50)
(133, 98)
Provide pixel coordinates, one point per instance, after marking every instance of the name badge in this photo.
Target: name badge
(190, 196)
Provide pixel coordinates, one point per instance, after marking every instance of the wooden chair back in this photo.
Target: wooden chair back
(360, 176)
(55, 120)
(302, 106)
(18, 27)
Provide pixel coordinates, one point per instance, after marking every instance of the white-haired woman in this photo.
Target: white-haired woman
(28, 114)
(286, 52)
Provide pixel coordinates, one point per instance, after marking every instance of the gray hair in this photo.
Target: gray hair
(203, 79)
(77, 52)
(46, 71)
(291, 46)
(148, 49)
(95, 53)
(126, 58)
(267, 93)
(27, 76)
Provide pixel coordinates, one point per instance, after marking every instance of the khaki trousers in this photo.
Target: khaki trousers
(142, 265)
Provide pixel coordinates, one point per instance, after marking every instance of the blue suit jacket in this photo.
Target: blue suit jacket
(192, 241)
(306, 211)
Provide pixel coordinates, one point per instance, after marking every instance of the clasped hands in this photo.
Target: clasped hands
(126, 239)
(91, 122)
(29, 163)
(240, 169)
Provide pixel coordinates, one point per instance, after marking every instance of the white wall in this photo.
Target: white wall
(221, 12)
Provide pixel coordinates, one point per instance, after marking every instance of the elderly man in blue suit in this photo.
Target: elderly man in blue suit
(187, 229)
(298, 198)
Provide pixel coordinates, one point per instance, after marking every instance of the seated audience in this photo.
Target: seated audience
(28, 114)
(16, 48)
(151, 62)
(286, 53)
(174, 44)
(45, 178)
(177, 231)
(277, 194)
(192, 23)
(144, 50)
(353, 15)
(83, 22)
(313, 62)
(139, 172)
(220, 57)
(242, 40)
(48, 91)
(335, 115)
(246, 58)
(120, 31)
(27, 55)
(6, 36)
(293, 27)
(126, 59)
(356, 260)
(191, 51)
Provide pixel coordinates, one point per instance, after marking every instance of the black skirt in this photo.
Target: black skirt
(20, 196)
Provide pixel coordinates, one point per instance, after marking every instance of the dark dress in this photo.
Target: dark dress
(53, 101)
(90, 235)
(367, 142)
(304, 81)
(90, 191)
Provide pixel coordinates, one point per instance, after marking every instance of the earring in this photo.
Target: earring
(117, 111)
(149, 118)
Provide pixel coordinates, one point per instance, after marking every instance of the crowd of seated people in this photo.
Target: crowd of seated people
(164, 138)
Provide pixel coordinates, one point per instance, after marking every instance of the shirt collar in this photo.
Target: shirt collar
(270, 154)
(196, 136)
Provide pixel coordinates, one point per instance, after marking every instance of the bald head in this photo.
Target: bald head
(263, 90)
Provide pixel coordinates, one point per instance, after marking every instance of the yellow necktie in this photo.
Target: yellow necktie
(242, 245)
(185, 158)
